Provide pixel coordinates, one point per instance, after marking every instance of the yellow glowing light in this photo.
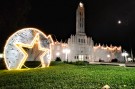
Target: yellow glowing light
(20, 46)
(112, 48)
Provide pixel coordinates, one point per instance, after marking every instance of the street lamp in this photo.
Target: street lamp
(66, 51)
(125, 54)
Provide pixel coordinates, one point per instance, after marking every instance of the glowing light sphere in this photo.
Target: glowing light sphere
(28, 44)
(119, 22)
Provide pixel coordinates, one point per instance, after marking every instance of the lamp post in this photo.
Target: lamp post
(125, 54)
(66, 51)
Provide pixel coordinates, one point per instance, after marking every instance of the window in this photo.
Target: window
(77, 57)
(79, 40)
(81, 57)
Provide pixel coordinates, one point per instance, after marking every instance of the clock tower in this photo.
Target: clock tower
(80, 20)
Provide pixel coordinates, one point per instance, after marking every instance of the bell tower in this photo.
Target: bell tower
(80, 19)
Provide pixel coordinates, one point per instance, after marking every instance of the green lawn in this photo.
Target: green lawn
(67, 76)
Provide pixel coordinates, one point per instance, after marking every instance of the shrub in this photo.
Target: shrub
(81, 63)
(65, 62)
(70, 62)
(2, 64)
(114, 60)
(32, 64)
(58, 59)
(55, 63)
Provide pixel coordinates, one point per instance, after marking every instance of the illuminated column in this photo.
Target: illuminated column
(80, 24)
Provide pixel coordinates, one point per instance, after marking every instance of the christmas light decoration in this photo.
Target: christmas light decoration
(27, 44)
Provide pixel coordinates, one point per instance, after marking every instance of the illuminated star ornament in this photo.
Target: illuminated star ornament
(39, 52)
(28, 44)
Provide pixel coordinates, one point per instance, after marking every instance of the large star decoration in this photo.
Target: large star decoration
(39, 51)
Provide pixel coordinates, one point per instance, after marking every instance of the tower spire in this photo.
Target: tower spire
(81, 4)
(80, 19)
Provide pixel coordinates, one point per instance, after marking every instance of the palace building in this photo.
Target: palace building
(80, 47)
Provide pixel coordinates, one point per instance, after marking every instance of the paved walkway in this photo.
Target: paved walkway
(115, 64)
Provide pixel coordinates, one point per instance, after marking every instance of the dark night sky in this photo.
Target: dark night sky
(58, 17)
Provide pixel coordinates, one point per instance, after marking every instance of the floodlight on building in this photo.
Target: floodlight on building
(108, 56)
(57, 54)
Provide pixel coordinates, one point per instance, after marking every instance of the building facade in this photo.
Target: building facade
(80, 47)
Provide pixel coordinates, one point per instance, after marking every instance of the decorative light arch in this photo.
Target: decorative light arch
(27, 44)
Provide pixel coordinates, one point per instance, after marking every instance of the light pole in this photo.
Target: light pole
(125, 54)
(66, 51)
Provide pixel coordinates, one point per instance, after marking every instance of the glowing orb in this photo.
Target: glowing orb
(119, 22)
(28, 44)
